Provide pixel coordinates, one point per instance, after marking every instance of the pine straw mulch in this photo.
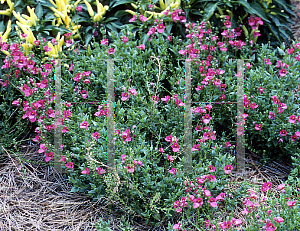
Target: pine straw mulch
(41, 199)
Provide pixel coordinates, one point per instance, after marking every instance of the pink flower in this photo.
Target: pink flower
(111, 51)
(86, 171)
(236, 222)
(70, 165)
(49, 156)
(79, 8)
(132, 91)
(85, 124)
(170, 38)
(124, 39)
(197, 202)
(161, 150)
(248, 65)
(290, 51)
(183, 52)
(133, 18)
(211, 178)
(104, 42)
(100, 171)
(227, 144)
(142, 47)
(177, 226)
(283, 133)
(95, 135)
(283, 72)
(130, 168)
(291, 203)
(143, 18)
(261, 90)
(220, 197)
(225, 225)
(125, 96)
(160, 28)
(266, 186)
(170, 158)
(267, 62)
(46, 48)
(211, 168)
(292, 119)
(212, 202)
(175, 146)
(228, 169)
(43, 148)
(36, 42)
(207, 223)
(206, 118)
(278, 219)
(281, 186)
(173, 171)
(63, 159)
(258, 127)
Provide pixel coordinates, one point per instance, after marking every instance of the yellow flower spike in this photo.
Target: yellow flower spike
(162, 5)
(5, 35)
(20, 19)
(77, 2)
(27, 47)
(89, 7)
(134, 6)
(5, 12)
(2, 1)
(5, 52)
(26, 29)
(99, 7)
(131, 12)
(33, 18)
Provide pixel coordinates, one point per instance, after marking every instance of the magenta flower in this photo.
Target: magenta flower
(125, 96)
(79, 8)
(227, 144)
(225, 225)
(176, 226)
(228, 169)
(161, 150)
(111, 51)
(142, 47)
(104, 42)
(283, 132)
(70, 165)
(133, 18)
(283, 72)
(236, 222)
(43, 148)
(291, 203)
(278, 219)
(160, 28)
(170, 38)
(183, 52)
(46, 48)
(197, 202)
(281, 186)
(170, 158)
(143, 18)
(248, 65)
(173, 171)
(211, 178)
(258, 127)
(95, 135)
(175, 147)
(86, 171)
(267, 62)
(292, 119)
(207, 223)
(100, 171)
(213, 202)
(49, 156)
(211, 168)
(261, 90)
(266, 186)
(206, 118)
(124, 39)
(221, 196)
(85, 124)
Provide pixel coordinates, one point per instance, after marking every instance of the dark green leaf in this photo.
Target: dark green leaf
(209, 10)
(259, 11)
(120, 13)
(39, 11)
(120, 2)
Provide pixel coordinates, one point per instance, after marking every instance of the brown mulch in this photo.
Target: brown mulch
(40, 199)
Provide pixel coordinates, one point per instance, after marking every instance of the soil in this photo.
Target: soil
(40, 198)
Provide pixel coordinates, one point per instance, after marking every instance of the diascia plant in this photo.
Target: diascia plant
(149, 143)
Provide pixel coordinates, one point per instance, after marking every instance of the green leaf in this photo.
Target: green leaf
(2, 27)
(209, 10)
(274, 31)
(88, 38)
(45, 3)
(39, 11)
(120, 2)
(259, 11)
(120, 13)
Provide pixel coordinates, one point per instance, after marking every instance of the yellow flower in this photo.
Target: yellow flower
(26, 30)
(20, 19)
(100, 11)
(7, 12)
(63, 15)
(4, 37)
(33, 18)
(89, 7)
(55, 49)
